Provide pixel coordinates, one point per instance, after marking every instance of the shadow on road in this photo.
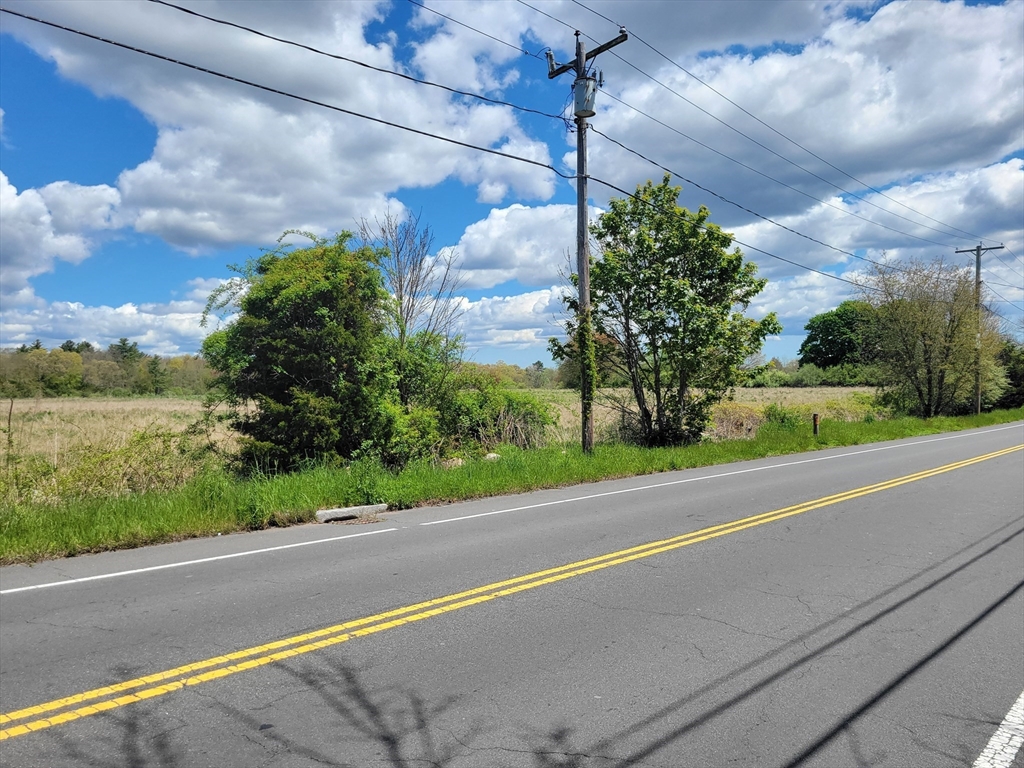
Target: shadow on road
(400, 724)
(666, 713)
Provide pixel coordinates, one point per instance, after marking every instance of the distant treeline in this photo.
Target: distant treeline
(122, 369)
(80, 369)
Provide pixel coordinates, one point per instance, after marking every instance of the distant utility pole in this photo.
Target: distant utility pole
(584, 92)
(977, 250)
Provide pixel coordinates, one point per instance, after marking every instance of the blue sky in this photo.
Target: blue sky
(130, 184)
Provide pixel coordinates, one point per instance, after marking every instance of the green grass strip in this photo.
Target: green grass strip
(216, 503)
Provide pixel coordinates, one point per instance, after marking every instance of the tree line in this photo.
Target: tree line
(80, 369)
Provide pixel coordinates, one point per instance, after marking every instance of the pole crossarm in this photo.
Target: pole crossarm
(554, 69)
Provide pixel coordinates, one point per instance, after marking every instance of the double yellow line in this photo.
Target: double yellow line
(160, 683)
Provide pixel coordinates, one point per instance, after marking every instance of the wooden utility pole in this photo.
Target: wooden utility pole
(584, 91)
(977, 250)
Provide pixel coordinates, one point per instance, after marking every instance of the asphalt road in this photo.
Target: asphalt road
(866, 610)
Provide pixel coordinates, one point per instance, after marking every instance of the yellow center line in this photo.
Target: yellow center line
(278, 650)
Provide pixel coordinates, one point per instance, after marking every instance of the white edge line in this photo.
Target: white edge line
(190, 562)
(69, 581)
(713, 477)
(1002, 748)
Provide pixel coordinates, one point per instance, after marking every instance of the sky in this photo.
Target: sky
(824, 134)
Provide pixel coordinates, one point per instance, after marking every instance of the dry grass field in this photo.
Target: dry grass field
(60, 448)
(736, 418)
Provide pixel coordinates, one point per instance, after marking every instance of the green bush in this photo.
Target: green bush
(782, 417)
(486, 415)
(769, 378)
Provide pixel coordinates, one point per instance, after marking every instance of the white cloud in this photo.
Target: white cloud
(873, 97)
(235, 165)
(522, 243)
(519, 321)
(38, 227)
(165, 329)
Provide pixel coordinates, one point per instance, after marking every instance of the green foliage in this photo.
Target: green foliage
(924, 333)
(782, 417)
(1011, 357)
(669, 293)
(484, 415)
(77, 369)
(838, 337)
(306, 350)
(606, 354)
(215, 502)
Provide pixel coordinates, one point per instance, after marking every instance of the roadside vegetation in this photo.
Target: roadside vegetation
(335, 377)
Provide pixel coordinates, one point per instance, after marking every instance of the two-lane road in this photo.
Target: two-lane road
(860, 606)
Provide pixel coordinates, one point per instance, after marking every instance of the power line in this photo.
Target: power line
(775, 130)
(286, 94)
(357, 62)
(1012, 253)
(1003, 298)
(479, 32)
(725, 156)
(1009, 265)
(997, 282)
(750, 247)
(772, 178)
(750, 138)
(733, 203)
(739, 242)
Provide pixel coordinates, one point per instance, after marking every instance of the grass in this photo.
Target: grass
(212, 502)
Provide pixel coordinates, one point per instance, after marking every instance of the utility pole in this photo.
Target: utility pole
(584, 91)
(977, 250)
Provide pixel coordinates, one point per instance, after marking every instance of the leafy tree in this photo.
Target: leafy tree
(837, 337)
(304, 349)
(606, 355)
(670, 294)
(1011, 357)
(924, 332)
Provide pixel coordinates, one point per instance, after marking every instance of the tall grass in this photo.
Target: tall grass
(214, 502)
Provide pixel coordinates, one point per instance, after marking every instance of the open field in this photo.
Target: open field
(736, 418)
(58, 447)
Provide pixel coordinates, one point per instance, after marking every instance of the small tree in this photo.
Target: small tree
(924, 334)
(304, 349)
(670, 294)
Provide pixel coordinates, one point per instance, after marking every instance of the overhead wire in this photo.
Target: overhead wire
(1004, 299)
(289, 95)
(409, 129)
(775, 130)
(474, 29)
(636, 197)
(321, 52)
(357, 62)
(746, 136)
(734, 203)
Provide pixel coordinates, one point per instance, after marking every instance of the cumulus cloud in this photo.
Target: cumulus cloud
(869, 95)
(41, 226)
(524, 320)
(531, 245)
(164, 329)
(236, 165)
(233, 165)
